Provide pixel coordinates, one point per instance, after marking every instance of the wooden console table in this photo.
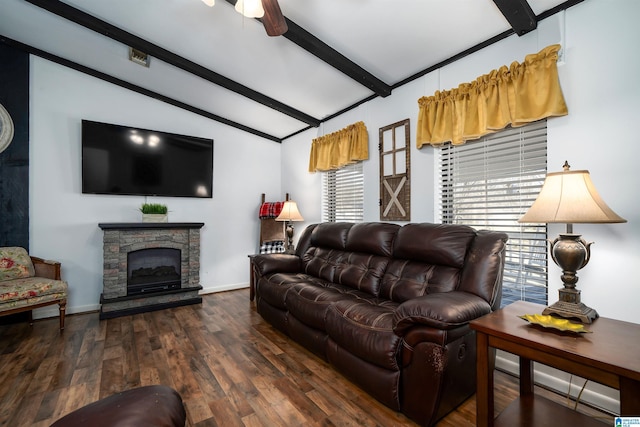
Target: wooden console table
(252, 283)
(610, 355)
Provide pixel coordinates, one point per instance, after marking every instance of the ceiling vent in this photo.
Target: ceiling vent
(139, 57)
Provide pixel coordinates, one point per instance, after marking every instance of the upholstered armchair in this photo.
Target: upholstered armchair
(27, 283)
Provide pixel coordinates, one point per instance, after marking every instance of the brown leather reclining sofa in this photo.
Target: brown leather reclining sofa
(388, 306)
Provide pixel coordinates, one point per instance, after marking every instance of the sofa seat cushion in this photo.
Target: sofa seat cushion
(364, 327)
(308, 302)
(30, 291)
(30, 287)
(273, 288)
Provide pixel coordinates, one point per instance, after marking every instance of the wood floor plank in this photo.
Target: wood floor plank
(230, 367)
(198, 409)
(238, 396)
(223, 413)
(47, 406)
(300, 401)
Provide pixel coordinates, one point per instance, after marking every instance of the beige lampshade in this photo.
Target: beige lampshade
(570, 197)
(290, 212)
(250, 8)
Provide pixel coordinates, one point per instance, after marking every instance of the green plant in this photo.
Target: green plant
(153, 208)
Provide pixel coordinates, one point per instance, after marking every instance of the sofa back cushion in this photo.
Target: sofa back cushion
(436, 244)
(353, 255)
(400, 263)
(321, 262)
(353, 269)
(361, 271)
(372, 238)
(330, 235)
(15, 263)
(427, 258)
(482, 275)
(325, 249)
(405, 279)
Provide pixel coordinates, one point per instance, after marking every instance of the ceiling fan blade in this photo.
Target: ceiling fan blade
(273, 19)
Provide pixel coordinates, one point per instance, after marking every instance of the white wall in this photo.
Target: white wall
(599, 77)
(64, 222)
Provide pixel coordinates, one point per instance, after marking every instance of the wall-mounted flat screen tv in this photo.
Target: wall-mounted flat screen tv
(129, 161)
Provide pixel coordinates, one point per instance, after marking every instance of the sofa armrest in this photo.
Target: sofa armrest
(46, 268)
(277, 263)
(447, 310)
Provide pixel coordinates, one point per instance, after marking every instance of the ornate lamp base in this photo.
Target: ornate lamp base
(290, 249)
(570, 306)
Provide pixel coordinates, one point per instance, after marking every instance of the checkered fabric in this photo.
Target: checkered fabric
(276, 247)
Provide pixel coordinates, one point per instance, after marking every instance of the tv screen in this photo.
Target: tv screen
(123, 160)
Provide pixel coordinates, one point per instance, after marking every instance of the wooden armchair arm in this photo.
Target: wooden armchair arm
(46, 268)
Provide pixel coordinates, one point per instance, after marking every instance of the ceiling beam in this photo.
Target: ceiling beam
(332, 57)
(519, 15)
(130, 86)
(326, 53)
(92, 23)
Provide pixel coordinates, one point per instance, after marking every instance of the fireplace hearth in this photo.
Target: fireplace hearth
(149, 266)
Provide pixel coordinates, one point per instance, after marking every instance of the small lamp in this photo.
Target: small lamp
(570, 197)
(289, 213)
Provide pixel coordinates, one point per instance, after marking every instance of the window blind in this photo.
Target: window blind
(343, 194)
(489, 184)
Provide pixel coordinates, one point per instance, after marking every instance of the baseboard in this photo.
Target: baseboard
(213, 289)
(53, 310)
(594, 394)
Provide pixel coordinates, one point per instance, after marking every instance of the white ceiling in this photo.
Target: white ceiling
(391, 39)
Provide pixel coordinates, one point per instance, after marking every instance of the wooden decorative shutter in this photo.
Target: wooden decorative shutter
(395, 180)
(490, 183)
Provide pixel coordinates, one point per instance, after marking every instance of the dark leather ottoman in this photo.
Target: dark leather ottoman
(153, 406)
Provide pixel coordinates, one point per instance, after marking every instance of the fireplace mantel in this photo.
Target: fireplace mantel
(121, 238)
(137, 225)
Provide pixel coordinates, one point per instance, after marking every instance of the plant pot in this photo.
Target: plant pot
(155, 218)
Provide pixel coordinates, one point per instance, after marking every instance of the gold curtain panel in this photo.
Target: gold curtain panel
(521, 94)
(337, 149)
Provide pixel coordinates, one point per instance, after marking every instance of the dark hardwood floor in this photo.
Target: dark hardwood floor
(230, 367)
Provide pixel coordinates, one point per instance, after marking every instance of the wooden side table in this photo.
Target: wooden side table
(252, 283)
(609, 355)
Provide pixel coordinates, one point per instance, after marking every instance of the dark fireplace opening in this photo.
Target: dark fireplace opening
(153, 270)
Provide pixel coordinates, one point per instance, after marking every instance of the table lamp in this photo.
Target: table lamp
(289, 213)
(570, 197)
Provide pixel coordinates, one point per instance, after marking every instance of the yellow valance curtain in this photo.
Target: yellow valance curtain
(337, 149)
(515, 96)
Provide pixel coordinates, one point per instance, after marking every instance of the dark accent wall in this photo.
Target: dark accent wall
(14, 161)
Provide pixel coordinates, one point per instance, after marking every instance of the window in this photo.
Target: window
(489, 184)
(343, 194)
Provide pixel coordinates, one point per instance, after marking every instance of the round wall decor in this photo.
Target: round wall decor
(6, 129)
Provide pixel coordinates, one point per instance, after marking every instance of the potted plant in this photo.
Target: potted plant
(154, 212)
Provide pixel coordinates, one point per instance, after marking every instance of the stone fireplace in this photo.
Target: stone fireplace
(149, 266)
